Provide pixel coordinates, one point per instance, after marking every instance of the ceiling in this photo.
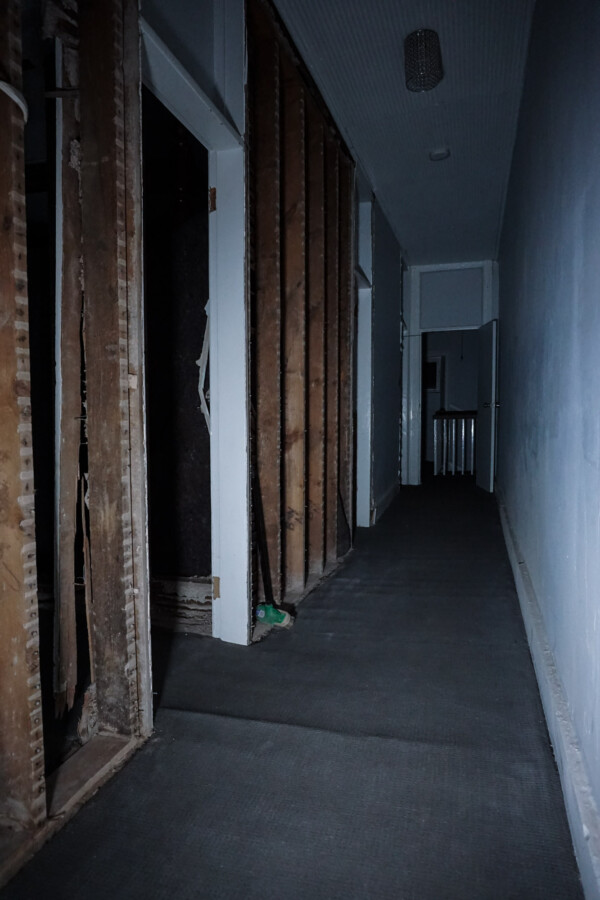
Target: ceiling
(446, 211)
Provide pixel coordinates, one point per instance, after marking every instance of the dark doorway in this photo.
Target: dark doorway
(449, 385)
(176, 295)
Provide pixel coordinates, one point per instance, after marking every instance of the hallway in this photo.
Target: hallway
(390, 745)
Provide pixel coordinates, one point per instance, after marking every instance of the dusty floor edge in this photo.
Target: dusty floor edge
(24, 845)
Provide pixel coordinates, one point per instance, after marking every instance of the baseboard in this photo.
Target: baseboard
(582, 811)
(384, 501)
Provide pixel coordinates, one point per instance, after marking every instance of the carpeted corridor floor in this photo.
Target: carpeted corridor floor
(390, 746)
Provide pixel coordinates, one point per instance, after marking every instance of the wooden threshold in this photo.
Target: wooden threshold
(67, 789)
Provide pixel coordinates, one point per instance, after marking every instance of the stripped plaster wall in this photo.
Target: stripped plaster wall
(386, 360)
(549, 427)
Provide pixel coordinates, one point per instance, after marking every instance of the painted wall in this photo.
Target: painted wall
(387, 359)
(549, 426)
(451, 298)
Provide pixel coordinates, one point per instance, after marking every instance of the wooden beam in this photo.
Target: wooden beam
(293, 169)
(105, 324)
(346, 352)
(316, 341)
(22, 783)
(332, 350)
(266, 288)
(68, 386)
(136, 374)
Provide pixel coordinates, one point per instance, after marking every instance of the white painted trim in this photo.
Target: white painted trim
(495, 291)
(445, 267)
(451, 328)
(414, 349)
(364, 354)
(230, 58)
(364, 408)
(170, 82)
(404, 416)
(230, 475)
(487, 301)
(582, 812)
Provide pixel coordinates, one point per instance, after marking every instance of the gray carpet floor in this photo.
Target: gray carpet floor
(390, 746)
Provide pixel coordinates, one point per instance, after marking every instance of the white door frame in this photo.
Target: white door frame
(412, 356)
(485, 467)
(229, 440)
(364, 355)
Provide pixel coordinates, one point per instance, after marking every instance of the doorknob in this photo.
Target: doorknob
(486, 405)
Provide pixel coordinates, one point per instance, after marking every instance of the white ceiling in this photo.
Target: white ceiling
(446, 211)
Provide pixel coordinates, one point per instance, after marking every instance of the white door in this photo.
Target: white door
(486, 406)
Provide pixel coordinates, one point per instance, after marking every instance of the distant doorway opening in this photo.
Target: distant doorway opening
(449, 385)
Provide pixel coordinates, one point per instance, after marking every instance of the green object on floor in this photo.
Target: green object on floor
(270, 615)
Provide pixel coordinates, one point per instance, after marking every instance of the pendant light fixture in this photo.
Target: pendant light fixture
(422, 60)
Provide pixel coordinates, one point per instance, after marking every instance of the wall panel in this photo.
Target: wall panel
(293, 212)
(22, 785)
(315, 340)
(105, 343)
(332, 364)
(266, 338)
(301, 236)
(346, 343)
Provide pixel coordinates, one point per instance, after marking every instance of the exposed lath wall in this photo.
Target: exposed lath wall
(301, 225)
(22, 783)
(100, 335)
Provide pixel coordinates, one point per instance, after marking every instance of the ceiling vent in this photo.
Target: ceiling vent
(422, 60)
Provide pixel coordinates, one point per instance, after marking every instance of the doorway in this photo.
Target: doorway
(175, 209)
(449, 385)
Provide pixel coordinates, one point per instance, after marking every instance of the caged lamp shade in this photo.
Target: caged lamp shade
(422, 60)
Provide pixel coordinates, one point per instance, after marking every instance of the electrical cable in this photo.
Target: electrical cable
(16, 96)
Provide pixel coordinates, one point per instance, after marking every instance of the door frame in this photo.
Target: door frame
(412, 357)
(492, 405)
(229, 440)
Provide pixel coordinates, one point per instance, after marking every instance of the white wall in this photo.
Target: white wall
(549, 426)
(387, 360)
(451, 298)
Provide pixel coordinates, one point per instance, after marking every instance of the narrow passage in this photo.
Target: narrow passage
(390, 745)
